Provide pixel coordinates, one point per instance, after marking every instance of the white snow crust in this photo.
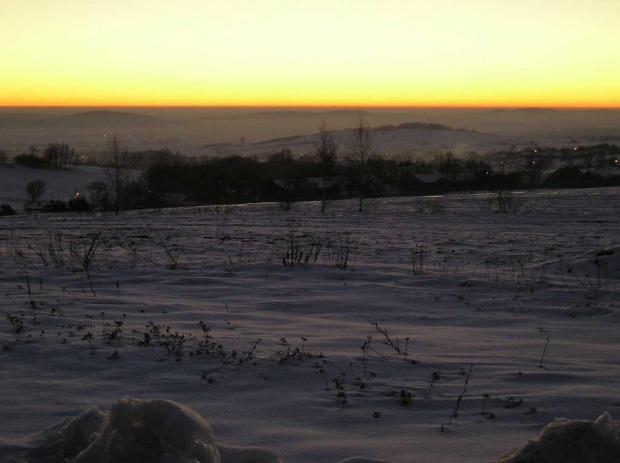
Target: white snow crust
(156, 431)
(573, 441)
(194, 306)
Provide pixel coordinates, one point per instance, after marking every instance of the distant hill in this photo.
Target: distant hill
(522, 112)
(417, 136)
(378, 130)
(416, 126)
(574, 123)
(85, 120)
(221, 131)
(111, 119)
(25, 116)
(306, 114)
(279, 140)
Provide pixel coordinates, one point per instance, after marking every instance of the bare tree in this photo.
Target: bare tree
(450, 166)
(116, 174)
(326, 151)
(99, 196)
(35, 190)
(361, 147)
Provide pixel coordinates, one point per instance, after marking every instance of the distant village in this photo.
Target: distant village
(152, 179)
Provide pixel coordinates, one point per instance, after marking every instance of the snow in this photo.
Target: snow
(574, 441)
(138, 430)
(403, 140)
(489, 290)
(59, 184)
(363, 460)
(593, 265)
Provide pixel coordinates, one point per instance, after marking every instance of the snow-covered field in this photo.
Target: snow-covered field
(319, 362)
(59, 184)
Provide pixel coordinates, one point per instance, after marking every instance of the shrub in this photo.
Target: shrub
(504, 202)
(6, 209)
(285, 205)
(31, 160)
(99, 196)
(35, 190)
(433, 205)
(508, 202)
(79, 204)
(55, 206)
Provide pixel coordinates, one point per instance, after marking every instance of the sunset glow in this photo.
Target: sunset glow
(553, 53)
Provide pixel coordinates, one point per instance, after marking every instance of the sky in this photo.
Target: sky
(458, 53)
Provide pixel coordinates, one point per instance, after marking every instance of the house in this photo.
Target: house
(304, 188)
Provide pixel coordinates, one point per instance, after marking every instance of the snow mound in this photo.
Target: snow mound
(362, 460)
(601, 263)
(230, 454)
(573, 441)
(157, 431)
(68, 438)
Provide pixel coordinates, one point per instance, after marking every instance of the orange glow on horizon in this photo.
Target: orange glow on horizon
(326, 107)
(67, 53)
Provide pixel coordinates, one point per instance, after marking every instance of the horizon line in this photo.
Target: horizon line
(332, 107)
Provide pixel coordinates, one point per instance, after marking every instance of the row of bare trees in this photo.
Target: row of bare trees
(113, 189)
(60, 156)
(360, 144)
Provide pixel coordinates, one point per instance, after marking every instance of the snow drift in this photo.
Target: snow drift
(363, 460)
(154, 431)
(157, 431)
(573, 441)
(601, 263)
(163, 431)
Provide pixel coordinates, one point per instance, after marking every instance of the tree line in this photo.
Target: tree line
(54, 156)
(161, 178)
